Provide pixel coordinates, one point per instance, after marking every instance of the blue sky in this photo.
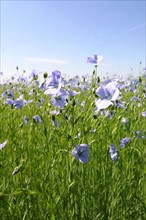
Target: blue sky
(50, 35)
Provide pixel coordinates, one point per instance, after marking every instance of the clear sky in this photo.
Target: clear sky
(50, 35)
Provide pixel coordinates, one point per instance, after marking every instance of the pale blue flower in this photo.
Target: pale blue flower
(59, 99)
(108, 94)
(34, 75)
(8, 94)
(3, 144)
(108, 91)
(81, 152)
(54, 83)
(26, 102)
(140, 134)
(102, 104)
(9, 101)
(124, 141)
(96, 60)
(18, 103)
(73, 93)
(144, 114)
(113, 152)
(37, 118)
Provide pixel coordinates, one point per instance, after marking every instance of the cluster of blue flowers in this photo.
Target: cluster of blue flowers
(113, 151)
(60, 91)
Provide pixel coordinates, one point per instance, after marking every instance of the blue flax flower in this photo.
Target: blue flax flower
(81, 152)
(144, 114)
(15, 104)
(37, 118)
(54, 83)
(108, 94)
(72, 92)
(59, 99)
(124, 141)
(8, 94)
(96, 60)
(113, 152)
(18, 103)
(140, 134)
(3, 144)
